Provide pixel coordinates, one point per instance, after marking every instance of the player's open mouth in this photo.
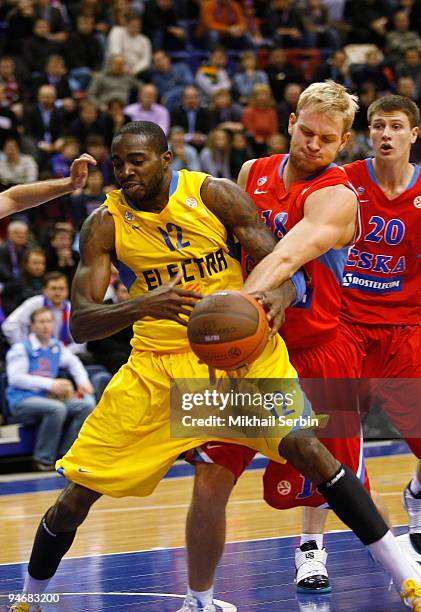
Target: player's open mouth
(386, 147)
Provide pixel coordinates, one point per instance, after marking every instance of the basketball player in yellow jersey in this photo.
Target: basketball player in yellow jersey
(157, 223)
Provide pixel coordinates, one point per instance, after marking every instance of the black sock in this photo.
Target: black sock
(48, 550)
(350, 501)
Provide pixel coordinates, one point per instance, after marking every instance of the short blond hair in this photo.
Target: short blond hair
(330, 97)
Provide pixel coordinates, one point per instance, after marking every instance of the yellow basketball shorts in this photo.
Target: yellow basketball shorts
(125, 446)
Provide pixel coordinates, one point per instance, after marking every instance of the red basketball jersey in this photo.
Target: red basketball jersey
(315, 320)
(382, 274)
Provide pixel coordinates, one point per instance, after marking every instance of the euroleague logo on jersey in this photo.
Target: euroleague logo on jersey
(191, 202)
(262, 180)
(284, 487)
(417, 202)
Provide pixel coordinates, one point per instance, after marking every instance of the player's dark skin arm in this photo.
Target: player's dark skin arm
(90, 319)
(236, 210)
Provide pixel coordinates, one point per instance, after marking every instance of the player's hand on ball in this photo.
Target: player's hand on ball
(275, 302)
(169, 301)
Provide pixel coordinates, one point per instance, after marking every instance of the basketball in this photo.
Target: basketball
(228, 329)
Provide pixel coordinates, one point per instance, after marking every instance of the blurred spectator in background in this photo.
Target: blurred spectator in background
(170, 78)
(288, 106)
(13, 84)
(281, 73)
(44, 9)
(95, 146)
(355, 148)
(276, 144)
(8, 120)
(88, 122)
(224, 113)
(184, 155)
(87, 200)
(11, 253)
(95, 9)
(61, 161)
(248, 76)
(223, 22)
(405, 86)
(411, 66)
(127, 40)
(54, 296)
(83, 52)
(212, 75)
(400, 38)
(61, 257)
(260, 118)
(368, 20)
(56, 75)
(39, 46)
(241, 151)
(33, 267)
(114, 351)
(215, 156)
(336, 69)
(37, 395)
(413, 9)
(15, 167)
(114, 119)
(44, 125)
(372, 71)
(367, 95)
(113, 82)
(318, 27)
(282, 23)
(20, 22)
(192, 117)
(163, 27)
(148, 109)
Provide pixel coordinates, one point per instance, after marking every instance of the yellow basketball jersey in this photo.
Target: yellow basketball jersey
(151, 248)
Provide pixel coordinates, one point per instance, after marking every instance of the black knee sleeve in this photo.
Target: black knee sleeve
(48, 550)
(352, 504)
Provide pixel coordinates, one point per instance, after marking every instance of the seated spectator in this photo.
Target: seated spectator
(184, 155)
(83, 53)
(33, 266)
(212, 75)
(411, 66)
(368, 20)
(336, 68)
(54, 296)
(281, 73)
(224, 113)
(87, 200)
(114, 351)
(367, 95)
(282, 23)
(373, 71)
(39, 46)
(276, 144)
(215, 156)
(241, 151)
(223, 22)
(113, 82)
(413, 9)
(95, 146)
(37, 395)
(61, 257)
(318, 27)
(8, 120)
(170, 79)
(55, 74)
(260, 118)
(88, 122)
(44, 125)
(20, 22)
(161, 23)
(52, 14)
(113, 119)
(400, 38)
(129, 42)
(405, 86)
(248, 76)
(13, 84)
(11, 253)
(288, 106)
(192, 117)
(147, 108)
(61, 161)
(15, 167)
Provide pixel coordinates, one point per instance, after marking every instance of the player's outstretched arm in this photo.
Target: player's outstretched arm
(90, 319)
(328, 223)
(21, 197)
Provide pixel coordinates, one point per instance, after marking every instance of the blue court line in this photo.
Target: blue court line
(181, 469)
(254, 575)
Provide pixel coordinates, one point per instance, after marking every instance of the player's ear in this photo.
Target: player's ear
(291, 122)
(414, 134)
(166, 158)
(344, 140)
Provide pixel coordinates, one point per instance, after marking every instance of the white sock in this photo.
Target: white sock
(205, 597)
(415, 485)
(32, 585)
(389, 555)
(317, 537)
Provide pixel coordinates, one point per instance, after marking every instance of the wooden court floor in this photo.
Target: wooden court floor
(133, 524)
